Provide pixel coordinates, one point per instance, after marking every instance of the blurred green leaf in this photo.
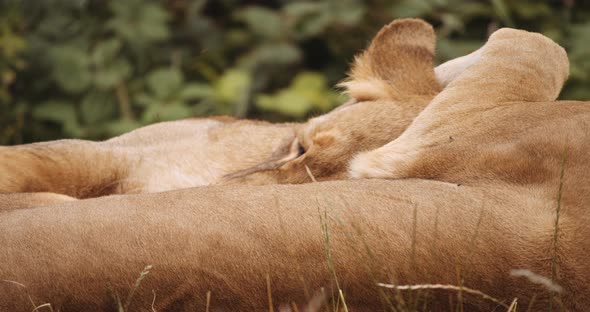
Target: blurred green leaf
(314, 87)
(466, 11)
(169, 111)
(232, 85)
(55, 111)
(272, 53)
(308, 91)
(451, 23)
(502, 12)
(197, 5)
(152, 23)
(308, 18)
(70, 66)
(165, 82)
(287, 102)
(10, 43)
(314, 26)
(531, 10)
(449, 49)
(112, 75)
(139, 22)
(579, 54)
(118, 127)
(96, 107)
(301, 9)
(347, 12)
(309, 81)
(411, 8)
(106, 50)
(195, 90)
(262, 21)
(177, 111)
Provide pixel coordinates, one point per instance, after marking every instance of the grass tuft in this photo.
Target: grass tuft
(269, 293)
(208, 301)
(445, 287)
(153, 301)
(142, 275)
(46, 305)
(513, 306)
(556, 229)
(537, 279)
(324, 225)
(311, 176)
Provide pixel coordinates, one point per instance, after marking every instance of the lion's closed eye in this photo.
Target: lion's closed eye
(297, 150)
(300, 150)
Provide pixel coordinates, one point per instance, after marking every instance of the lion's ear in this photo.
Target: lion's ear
(397, 63)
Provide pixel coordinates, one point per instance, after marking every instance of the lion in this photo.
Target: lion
(394, 77)
(488, 178)
(242, 244)
(159, 157)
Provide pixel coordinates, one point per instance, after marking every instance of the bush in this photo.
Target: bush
(94, 69)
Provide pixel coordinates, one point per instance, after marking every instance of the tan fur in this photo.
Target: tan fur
(160, 157)
(493, 122)
(494, 132)
(199, 152)
(497, 124)
(27, 200)
(399, 64)
(226, 239)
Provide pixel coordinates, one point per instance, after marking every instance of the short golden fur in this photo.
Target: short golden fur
(226, 239)
(392, 82)
(160, 157)
(476, 181)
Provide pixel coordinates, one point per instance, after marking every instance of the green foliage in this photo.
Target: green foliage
(307, 92)
(94, 69)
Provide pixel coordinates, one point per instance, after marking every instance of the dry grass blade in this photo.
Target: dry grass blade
(208, 301)
(324, 225)
(531, 303)
(142, 275)
(556, 228)
(367, 262)
(445, 287)
(414, 235)
(537, 279)
(15, 283)
(46, 305)
(269, 293)
(513, 305)
(341, 295)
(117, 299)
(153, 301)
(310, 174)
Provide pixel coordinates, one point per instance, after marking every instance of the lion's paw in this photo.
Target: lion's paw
(379, 163)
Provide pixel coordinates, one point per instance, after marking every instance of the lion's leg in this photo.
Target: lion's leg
(228, 239)
(514, 66)
(450, 70)
(12, 201)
